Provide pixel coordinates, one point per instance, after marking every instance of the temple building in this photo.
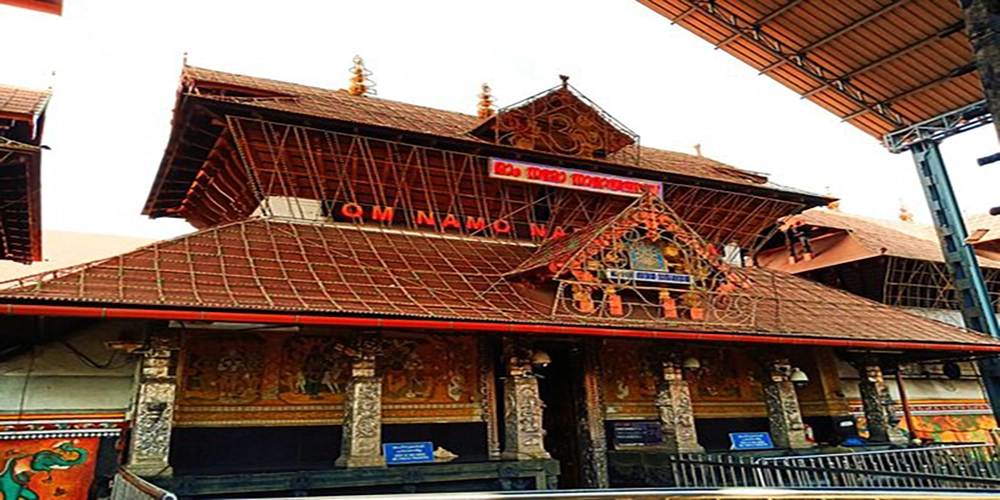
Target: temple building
(898, 263)
(384, 297)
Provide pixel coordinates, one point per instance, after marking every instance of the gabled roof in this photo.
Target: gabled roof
(559, 254)
(909, 240)
(374, 111)
(586, 127)
(311, 269)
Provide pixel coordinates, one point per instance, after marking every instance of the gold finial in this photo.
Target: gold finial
(486, 102)
(697, 149)
(904, 213)
(833, 205)
(360, 84)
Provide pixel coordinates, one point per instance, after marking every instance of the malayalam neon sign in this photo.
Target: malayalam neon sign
(572, 179)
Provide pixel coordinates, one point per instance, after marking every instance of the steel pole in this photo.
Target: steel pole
(959, 257)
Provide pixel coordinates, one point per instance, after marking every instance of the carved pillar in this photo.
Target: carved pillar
(783, 413)
(487, 387)
(525, 437)
(673, 403)
(362, 433)
(591, 411)
(152, 420)
(878, 405)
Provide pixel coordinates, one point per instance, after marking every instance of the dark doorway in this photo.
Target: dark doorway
(561, 389)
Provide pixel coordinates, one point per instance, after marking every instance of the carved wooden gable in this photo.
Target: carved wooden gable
(644, 265)
(560, 120)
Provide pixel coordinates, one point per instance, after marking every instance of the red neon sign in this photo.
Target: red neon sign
(572, 179)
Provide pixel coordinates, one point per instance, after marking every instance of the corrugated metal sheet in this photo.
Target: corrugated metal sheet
(878, 64)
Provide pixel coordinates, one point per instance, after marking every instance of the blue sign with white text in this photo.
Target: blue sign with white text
(408, 453)
(750, 441)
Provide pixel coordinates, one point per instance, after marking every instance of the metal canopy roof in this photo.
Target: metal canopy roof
(880, 65)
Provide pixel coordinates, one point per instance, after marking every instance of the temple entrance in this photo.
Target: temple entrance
(561, 390)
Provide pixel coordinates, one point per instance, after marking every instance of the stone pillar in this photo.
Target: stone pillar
(878, 406)
(673, 403)
(591, 411)
(361, 445)
(153, 414)
(523, 407)
(783, 413)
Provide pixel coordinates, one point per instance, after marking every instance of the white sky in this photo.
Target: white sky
(117, 65)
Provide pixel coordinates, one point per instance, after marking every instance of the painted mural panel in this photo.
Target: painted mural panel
(724, 386)
(289, 378)
(314, 369)
(43, 469)
(630, 377)
(435, 377)
(222, 368)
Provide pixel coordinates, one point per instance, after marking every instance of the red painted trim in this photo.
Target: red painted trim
(469, 326)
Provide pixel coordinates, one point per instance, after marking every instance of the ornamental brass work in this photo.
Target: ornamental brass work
(646, 266)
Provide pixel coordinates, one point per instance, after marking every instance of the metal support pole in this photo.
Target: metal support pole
(959, 257)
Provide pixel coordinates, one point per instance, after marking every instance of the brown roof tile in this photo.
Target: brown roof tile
(21, 101)
(909, 240)
(340, 105)
(986, 222)
(317, 269)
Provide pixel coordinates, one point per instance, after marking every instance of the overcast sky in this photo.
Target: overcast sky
(117, 64)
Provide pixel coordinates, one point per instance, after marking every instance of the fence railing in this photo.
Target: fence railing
(128, 486)
(958, 467)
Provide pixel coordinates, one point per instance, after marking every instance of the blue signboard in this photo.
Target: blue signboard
(750, 441)
(408, 453)
(648, 276)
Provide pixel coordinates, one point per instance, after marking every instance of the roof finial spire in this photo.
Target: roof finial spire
(185, 61)
(361, 86)
(835, 204)
(565, 80)
(697, 149)
(904, 213)
(486, 102)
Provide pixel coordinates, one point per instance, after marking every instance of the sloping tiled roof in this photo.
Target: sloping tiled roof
(340, 105)
(16, 101)
(909, 240)
(990, 223)
(322, 269)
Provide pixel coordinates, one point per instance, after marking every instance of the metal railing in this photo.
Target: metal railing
(958, 467)
(128, 486)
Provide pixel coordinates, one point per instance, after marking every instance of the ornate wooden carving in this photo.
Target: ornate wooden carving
(149, 449)
(487, 390)
(676, 412)
(591, 411)
(879, 408)
(523, 407)
(783, 413)
(362, 439)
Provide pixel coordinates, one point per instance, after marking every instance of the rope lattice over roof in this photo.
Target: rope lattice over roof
(271, 265)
